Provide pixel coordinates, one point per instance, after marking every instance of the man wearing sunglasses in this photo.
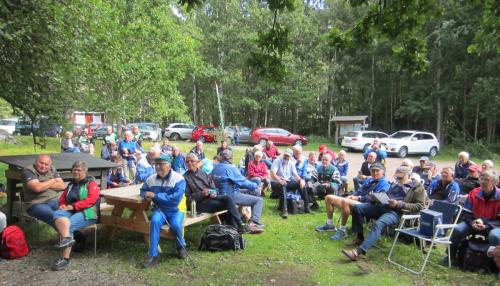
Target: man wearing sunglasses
(404, 194)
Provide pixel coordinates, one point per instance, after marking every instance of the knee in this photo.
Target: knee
(494, 237)
(156, 221)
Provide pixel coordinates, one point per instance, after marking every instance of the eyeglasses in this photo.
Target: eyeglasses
(258, 156)
(398, 178)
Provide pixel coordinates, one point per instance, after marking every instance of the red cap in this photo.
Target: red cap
(322, 147)
(474, 168)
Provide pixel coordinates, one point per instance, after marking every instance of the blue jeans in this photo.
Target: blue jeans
(463, 229)
(220, 203)
(357, 183)
(385, 217)
(45, 211)
(176, 224)
(252, 201)
(77, 219)
(269, 163)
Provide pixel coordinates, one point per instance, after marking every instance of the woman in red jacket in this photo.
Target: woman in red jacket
(78, 208)
(258, 172)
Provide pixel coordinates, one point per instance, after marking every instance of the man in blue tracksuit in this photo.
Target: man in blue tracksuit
(166, 189)
(228, 181)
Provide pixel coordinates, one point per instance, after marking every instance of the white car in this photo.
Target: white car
(407, 142)
(361, 140)
(8, 124)
(178, 131)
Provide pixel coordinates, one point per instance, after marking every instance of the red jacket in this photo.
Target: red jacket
(92, 197)
(257, 170)
(486, 210)
(271, 152)
(329, 152)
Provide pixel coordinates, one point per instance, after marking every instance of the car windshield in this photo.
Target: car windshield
(352, 134)
(146, 127)
(401, 135)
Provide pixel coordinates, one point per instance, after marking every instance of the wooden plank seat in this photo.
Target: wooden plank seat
(128, 198)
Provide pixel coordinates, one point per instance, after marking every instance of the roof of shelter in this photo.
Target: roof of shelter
(349, 118)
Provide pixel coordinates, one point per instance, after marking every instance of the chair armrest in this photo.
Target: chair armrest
(410, 216)
(446, 226)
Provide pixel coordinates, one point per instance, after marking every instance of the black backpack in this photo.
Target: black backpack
(219, 237)
(473, 256)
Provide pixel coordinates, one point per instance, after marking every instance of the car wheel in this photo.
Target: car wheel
(202, 139)
(433, 152)
(366, 147)
(175, 136)
(403, 152)
(263, 142)
(298, 142)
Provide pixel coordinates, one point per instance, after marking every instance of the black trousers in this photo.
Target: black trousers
(220, 203)
(279, 191)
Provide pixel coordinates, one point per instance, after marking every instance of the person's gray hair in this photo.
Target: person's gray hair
(258, 153)
(491, 175)
(404, 170)
(343, 152)
(407, 162)
(154, 149)
(327, 155)
(372, 154)
(127, 132)
(489, 163)
(80, 164)
(463, 154)
(312, 153)
(192, 156)
(297, 148)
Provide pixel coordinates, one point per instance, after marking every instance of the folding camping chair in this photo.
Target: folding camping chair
(451, 213)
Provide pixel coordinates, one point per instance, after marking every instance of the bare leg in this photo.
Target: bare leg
(66, 252)
(346, 210)
(62, 226)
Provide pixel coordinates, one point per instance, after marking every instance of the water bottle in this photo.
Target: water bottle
(193, 208)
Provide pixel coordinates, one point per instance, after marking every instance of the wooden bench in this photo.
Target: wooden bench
(119, 199)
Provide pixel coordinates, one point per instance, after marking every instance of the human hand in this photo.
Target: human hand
(205, 192)
(149, 195)
(478, 225)
(393, 203)
(302, 184)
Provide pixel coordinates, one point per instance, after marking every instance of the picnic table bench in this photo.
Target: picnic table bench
(128, 198)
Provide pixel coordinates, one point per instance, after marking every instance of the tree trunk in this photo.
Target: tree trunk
(195, 104)
(476, 121)
(372, 95)
(439, 108)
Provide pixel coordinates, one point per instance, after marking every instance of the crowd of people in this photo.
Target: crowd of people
(172, 181)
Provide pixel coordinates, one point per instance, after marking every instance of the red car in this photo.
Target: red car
(203, 133)
(277, 135)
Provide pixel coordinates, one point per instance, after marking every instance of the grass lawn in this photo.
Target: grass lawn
(289, 252)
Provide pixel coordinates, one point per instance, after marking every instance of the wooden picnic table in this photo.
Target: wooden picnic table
(62, 162)
(137, 221)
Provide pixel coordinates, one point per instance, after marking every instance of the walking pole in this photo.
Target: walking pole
(191, 261)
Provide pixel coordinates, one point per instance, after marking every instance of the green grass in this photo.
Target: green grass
(289, 252)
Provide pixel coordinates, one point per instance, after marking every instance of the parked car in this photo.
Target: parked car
(179, 131)
(43, 126)
(361, 140)
(203, 133)
(407, 142)
(100, 132)
(149, 130)
(244, 133)
(277, 135)
(8, 124)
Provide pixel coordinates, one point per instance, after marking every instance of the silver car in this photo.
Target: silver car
(149, 130)
(179, 131)
(244, 133)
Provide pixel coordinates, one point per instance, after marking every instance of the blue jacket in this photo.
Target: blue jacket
(462, 170)
(169, 190)
(143, 170)
(117, 178)
(131, 146)
(381, 154)
(342, 167)
(302, 170)
(371, 185)
(179, 164)
(448, 193)
(228, 179)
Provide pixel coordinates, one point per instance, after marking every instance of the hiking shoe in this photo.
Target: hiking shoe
(284, 214)
(182, 253)
(341, 234)
(326, 227)
(150, 262)
(254, 228)
(65, 242)
(352, 254)
(60, 264)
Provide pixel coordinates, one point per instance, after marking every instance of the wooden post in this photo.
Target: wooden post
(337, 129)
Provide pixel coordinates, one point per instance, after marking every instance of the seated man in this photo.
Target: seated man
(86, 142)
(284, 178)
(271, 153)
(228, 181)
(445, 188)
(166, 148)
(109, 150)
(406, 194)
(115, 175)
(487, 165)
(422, 169)
(223, 146)
(41, 183)
(68, 144)
(471, 181)
(364, 173)
(178, 161)
(484, 203)
(375, 184)
(127, 149)
(145, 167)
(377, 149)
(328, 178)
(343, 166)
(199, 187)
(110, 136)
(137, 137)
(166, 190)
(462, 165)
(198, 151)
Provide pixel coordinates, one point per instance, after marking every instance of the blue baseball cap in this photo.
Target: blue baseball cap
(164, 157)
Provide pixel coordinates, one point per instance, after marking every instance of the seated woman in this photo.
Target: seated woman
(116, 178)
(67, 143)
(86, 142)
(258, 172)
(78, 208)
